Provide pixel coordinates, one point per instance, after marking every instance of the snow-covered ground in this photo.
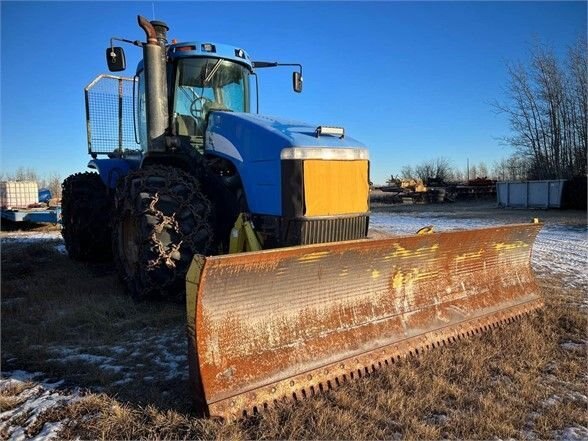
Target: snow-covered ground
(148, 355)
(29, 237)
(34, 398)
(143, 357)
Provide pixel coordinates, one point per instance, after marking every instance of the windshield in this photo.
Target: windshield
(204, 85)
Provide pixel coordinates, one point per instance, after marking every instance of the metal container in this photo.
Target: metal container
(18, 194)
(530, 194)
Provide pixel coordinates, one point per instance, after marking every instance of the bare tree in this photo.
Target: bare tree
(438, 169)
(53, 183)
(548, 113)
(458, 175)
(482, 170)
(500, 170)
(407, 173)
(578, 101)
(424, 171)
(473, 172)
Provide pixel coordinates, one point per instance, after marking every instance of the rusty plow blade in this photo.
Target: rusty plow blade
(293, 321)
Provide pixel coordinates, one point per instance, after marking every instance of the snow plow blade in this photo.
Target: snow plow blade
(287, 323)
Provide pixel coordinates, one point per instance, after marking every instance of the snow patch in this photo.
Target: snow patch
(33, 401)
(20, 376)
(579, 433)
(13, 301)
(69, 353)
(562, 250)
(122, 382)
(75, 355)
(572, 346)
(49, 431)
(551, 401)
(28, 237)
(60, 249)
(149, 354)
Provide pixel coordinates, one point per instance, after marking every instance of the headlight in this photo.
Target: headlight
(338, 154)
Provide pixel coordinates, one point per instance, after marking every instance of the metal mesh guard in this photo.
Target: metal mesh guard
(109, 115)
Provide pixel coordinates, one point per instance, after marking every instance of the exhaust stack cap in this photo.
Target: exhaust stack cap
(161, 31)
(160, 24)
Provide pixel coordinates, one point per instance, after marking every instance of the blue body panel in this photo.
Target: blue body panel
(111, 170)
(253, 143)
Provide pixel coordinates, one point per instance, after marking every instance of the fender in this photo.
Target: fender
(111, 170)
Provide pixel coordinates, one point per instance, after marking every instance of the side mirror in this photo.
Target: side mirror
(115, 58)
(297, 82)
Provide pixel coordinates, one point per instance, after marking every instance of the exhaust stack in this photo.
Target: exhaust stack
(154, 59)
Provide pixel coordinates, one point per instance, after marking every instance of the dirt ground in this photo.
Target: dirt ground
(82, 360)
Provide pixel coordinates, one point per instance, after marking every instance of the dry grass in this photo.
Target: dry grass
(515, 382)
(9, 395)
(51, 303)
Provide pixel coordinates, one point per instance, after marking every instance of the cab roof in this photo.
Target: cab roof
(214, 50)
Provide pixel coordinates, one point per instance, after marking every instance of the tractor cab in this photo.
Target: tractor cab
(185, 82)
(201, 78)
(202, 85)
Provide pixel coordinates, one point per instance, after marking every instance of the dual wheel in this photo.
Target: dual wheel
(86, 209)
(158, 219)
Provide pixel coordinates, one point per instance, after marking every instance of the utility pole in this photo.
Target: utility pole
(468, 169)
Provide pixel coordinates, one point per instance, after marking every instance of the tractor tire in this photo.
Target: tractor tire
(161, 219)
(86, 208)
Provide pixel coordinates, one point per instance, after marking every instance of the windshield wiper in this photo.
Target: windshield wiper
(212, 72)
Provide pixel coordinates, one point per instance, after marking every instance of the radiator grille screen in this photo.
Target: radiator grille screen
(310, 231)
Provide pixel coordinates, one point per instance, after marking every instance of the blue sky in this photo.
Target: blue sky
(413, 81)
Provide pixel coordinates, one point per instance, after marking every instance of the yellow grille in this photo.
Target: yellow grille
(335, 187)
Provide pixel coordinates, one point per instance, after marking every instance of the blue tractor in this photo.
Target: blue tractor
(184, 167)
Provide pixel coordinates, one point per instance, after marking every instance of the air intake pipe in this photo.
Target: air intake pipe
(154, 64)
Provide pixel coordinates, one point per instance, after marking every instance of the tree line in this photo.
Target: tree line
(441, 170)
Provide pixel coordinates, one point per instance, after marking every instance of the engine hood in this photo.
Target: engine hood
(260, 137)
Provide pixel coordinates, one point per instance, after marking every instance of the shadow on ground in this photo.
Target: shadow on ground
(73, 322)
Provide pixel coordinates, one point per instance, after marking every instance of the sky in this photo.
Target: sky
(412, 80)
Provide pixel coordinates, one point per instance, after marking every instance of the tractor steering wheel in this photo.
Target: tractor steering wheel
(197, 107)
